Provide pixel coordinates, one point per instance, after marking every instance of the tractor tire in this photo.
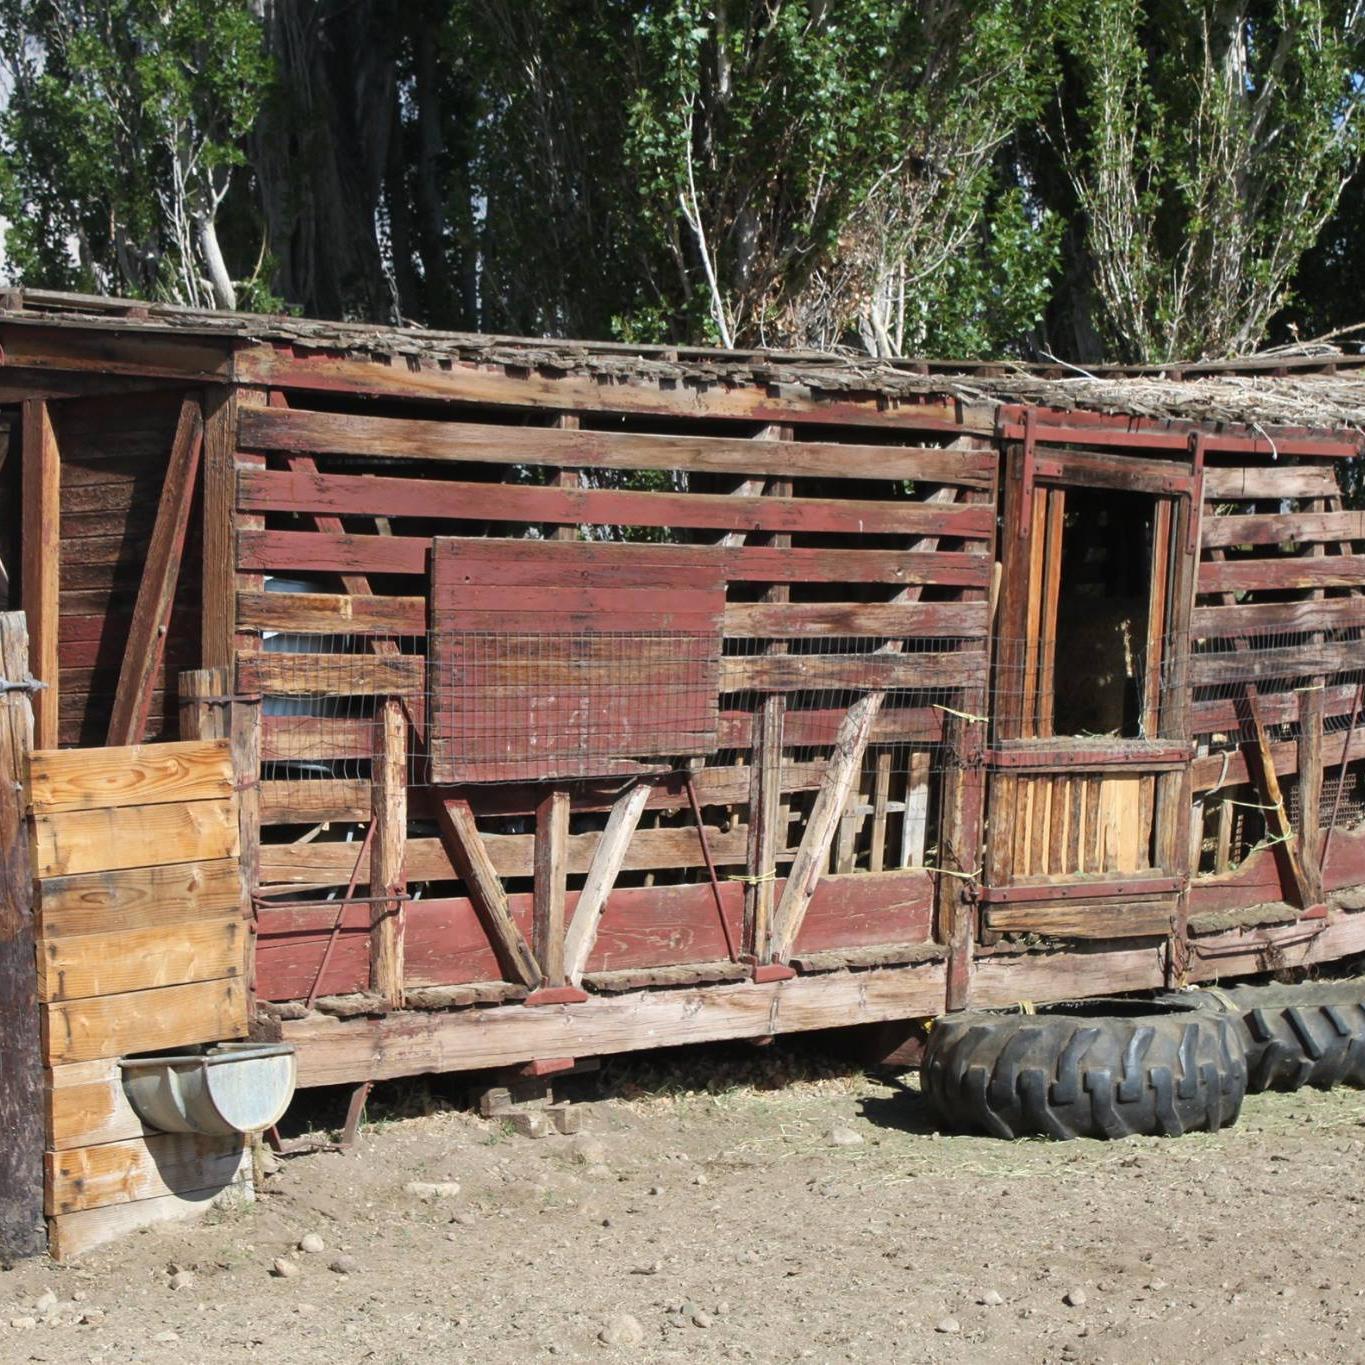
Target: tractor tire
(1098, 1068)
(1294, 1036)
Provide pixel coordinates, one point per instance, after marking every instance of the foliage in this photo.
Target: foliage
(1207, 146)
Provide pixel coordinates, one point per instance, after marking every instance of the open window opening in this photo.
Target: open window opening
(1106, 627)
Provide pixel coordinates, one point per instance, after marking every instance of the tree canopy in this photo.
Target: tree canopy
(1125, 179)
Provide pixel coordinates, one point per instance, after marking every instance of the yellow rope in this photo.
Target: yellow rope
(770, 876)
(965, 715)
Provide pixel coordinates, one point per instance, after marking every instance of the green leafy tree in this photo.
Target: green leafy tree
(122, 133)
(1207, 143)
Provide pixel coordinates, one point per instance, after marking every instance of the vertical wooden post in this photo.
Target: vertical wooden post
(765, 823)
(22, 1230)
(566, 478)
(959, 850)
(551, 879)
(389, 811)
(205, 703)
(41, 560)
(218, 572)
(1310, 791)
(244, 734)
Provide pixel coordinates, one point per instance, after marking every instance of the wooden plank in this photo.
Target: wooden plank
(1230, 484)
(609, 857)
(21, 1222)
(41, 563)
(767, 828)
(315, 613)
(132, 775)
(881, 797)
(333, 675)
(1283, 572)
(1287, 852)
(815, 672)
(73, 1234)
(139, 1168)
(1136, 919)
(138, 898)
(469, 856)
(85, 1104)
(205, 696)
(139, 959)
(389, 796)
(1310, 790)
(219, 550)
(415, 439)
(551, 884)
(1283, 528)
(134, 836)
(915, 821)
(273, 551)
(368, 495)
(795, 620)
(144, 1021)
(146, 640)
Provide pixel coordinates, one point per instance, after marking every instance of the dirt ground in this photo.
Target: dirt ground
(767, 1205)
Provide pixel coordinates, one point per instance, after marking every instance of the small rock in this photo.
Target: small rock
(166, 1337)
(701, 1318)
(747, 1257)
(92, 1317)
(992, 1298)
(465, 1219)
(842, 1136)
(45, 1302)
(268, 1162)
(283, 1268)
(312, 1244)
(428, 1190)
(1075, 1298)
(653, 1268)
(700, 1178)
(722, 1308)
(24, 1323)
(656, 1189)
(589, 1151)
(677, 1320)
(948, 1325)
(623, 1330)
(598, 1172)
(1156, 1286)
(344, 1265)
(182, 1279)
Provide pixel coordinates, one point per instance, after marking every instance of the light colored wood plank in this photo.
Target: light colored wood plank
(139, 959)
(140, 1168)
(144, 1021)
(916, 819)
(129, 775)
(134, 836)
(73, 1234)
(551, 884)
(218, 557)
(138, 898)
(607, 861)
(387, 851)
(85, 1105)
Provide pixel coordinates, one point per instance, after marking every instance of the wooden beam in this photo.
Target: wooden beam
(41, 563)
(21, 1076)
(1310, 791)
(607, 860)
(245, 741)
(1287, 850)
(218, 567)
(146, 640)
(205, 703)
(551, 884)
(461, 836)
(389, 811)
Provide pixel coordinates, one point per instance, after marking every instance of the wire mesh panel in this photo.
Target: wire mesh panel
(597, 662)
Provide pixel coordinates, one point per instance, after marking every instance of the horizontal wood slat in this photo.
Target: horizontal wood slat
(1270, 481)
(1299, 662)
(141, 959)
(814, 672)
(134, 836)
(331, 675)
(319, 613)
(140, 1168)
(275, 551)
(144, 1021)
(261, 490)
(1260, 575)
(86, 1105)
(322, 433)
(133, 775)
(889, 620)
(1137, 919)
(1282, 528)
(1271, 618)
(138, 898)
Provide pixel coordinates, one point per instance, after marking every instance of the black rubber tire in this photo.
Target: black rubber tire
(1099, 1068)
(1313, 1034)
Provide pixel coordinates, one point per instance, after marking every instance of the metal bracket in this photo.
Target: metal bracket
(29, 685)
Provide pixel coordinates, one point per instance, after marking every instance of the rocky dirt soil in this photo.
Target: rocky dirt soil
(767, 1205)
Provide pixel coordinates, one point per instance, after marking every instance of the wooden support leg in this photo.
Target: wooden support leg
(765, 824)
(22, 1229)
(461, 835)
(1277, 819)
(355, 1111)
(1310, 794)
(959, 852)
(551, 886)
(389, 813)
(605, 867)
(528, 1105)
